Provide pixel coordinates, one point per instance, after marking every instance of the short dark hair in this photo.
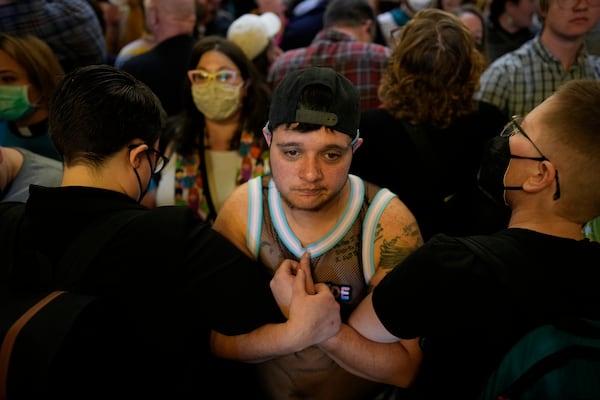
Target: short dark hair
(97, 110)
(347, 13)
(497, 8)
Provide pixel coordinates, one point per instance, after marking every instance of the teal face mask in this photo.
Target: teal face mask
(14, 103)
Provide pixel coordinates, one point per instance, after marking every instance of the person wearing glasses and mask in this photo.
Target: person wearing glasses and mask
(523, 78)
(162, 278)
(545, 169)
(216, 144)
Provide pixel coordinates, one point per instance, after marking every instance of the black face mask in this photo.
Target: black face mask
(143, 191)
(494, 164)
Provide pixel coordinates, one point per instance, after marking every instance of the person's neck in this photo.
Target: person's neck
(171, 31)
(348, 31)
(219, 134)
(533, 219)
(37, 116)
(85, 176)
(566, 50)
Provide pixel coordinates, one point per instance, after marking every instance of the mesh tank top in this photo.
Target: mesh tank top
(343, 259)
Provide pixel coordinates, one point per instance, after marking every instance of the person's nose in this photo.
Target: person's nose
(311, 169)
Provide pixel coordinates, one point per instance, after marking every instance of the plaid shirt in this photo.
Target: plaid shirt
(70, 27)
(520, 80)
(361, 62)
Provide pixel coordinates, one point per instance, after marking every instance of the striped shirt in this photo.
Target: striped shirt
(361, 62)
(520, 80)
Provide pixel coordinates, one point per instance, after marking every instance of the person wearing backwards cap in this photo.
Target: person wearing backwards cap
(311, 209)
(255, 34)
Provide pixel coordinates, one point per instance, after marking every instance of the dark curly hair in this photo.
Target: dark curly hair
(433, 71)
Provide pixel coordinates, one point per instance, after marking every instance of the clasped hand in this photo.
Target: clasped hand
(309, 306)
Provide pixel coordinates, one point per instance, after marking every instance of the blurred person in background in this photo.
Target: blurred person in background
(163, 67)
(216, 143)
(29, 74)
(345, 44)
(510, 24)
(474, 20)
(255, 35)
(20, 168)
(427, 139)
(70, 27)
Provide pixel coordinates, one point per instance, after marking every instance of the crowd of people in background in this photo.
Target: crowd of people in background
(435, 82)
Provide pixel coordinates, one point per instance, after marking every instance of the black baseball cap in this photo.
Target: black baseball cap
(343, 114)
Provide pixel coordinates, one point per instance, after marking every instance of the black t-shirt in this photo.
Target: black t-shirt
(164, 280)
(468, 311)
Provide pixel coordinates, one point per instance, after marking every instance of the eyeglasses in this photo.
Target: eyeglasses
(200, 77)
(567, 4)
(160, 160)
(510, 129)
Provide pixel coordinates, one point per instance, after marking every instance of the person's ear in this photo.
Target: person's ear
(369, 30)
(245, 87)
(357, 144)
(544, 178)
(268, 135)
(136, 153)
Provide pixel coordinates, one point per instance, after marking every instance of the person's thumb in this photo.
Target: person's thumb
(300, 281)
(305, 267)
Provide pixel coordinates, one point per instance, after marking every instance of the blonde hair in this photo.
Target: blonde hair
(572, 126)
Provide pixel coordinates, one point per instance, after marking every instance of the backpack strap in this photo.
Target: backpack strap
(544, 349)
(535, 361)
(48, 321)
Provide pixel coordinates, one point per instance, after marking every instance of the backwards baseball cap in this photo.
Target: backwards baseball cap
(342, 114)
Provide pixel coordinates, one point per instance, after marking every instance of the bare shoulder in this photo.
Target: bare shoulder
(232, 219)
(398, 217)
(397, 236)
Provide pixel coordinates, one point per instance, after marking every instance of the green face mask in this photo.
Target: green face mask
(14, 104)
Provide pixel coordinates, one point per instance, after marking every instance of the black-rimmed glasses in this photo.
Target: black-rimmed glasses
(160, 160)
(510, 129)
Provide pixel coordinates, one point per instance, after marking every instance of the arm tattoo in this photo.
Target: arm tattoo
(393, 252)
